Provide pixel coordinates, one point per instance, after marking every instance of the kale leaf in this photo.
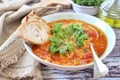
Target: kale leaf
(60, 41)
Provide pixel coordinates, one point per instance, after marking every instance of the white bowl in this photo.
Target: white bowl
(84, 17)
(91, 10)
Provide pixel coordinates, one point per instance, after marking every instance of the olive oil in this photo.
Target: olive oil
(110, 21)
(110, 12)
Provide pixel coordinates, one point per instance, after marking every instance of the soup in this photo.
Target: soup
(69, 41)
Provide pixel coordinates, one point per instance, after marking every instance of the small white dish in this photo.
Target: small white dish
(91, 10)
(84, 17)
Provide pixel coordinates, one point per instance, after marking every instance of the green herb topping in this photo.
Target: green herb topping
(64, 40)
(88, 2)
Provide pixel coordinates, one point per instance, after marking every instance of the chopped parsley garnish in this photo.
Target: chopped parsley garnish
(64, 40)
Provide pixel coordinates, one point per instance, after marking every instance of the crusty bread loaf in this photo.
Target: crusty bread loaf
(34, 29)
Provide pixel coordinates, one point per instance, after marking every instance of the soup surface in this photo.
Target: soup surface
(69, 41)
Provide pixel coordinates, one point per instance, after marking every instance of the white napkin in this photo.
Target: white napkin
(15, 62)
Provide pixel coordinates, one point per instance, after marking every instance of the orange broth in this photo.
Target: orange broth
(78, 56)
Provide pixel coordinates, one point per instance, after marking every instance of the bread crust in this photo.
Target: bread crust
(34, 29)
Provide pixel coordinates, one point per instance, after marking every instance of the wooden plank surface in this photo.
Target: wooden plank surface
(112, 61)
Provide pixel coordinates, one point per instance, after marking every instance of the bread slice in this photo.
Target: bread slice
(34, 29)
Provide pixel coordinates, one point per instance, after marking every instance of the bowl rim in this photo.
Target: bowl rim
(78, 66)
